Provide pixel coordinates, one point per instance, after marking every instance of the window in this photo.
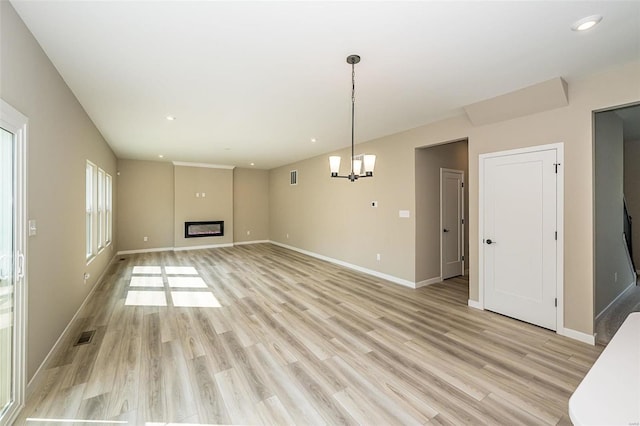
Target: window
(108, 203)
(89, 208)
(99, 210)
(101, 197)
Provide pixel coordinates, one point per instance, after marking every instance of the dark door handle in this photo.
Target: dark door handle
(489, 241)
(445, 230)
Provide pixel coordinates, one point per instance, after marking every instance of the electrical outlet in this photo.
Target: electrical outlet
(248, 232)
(86, 276)
(145, 238)
(615, 277)
(287, 236)
(378, 257)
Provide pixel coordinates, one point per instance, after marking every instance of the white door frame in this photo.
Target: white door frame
(461, 225)
(559, 148)
(15, 122)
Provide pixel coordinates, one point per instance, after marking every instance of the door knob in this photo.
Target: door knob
(445, 230)
(489, 241)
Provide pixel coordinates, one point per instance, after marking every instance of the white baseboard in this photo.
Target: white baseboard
(475, 304)
(149, 250)
(153, 250)
(242, 243)
(578, 335)
(629, 287)
(368, 271)
(207, 246)
(434, 280)
(36, 379)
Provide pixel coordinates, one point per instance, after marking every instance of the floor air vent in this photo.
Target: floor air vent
(85, 337)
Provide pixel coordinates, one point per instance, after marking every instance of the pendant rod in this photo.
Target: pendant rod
(353, 109)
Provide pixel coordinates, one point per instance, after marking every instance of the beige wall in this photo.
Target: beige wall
(250, 205)
(332, 217)
(429, 161)
(61, 138)
(632, 192)
(217, 185)
(145, 200)
(156, 198)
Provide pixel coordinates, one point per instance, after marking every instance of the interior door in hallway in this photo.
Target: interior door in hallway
(451, 219)
(518, 235)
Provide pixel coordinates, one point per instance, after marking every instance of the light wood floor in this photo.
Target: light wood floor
(300, 341)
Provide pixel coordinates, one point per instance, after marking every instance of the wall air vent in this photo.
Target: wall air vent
(85, 338)
(293, 177)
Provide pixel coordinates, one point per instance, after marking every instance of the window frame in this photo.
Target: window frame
(108, 208)
(100, 220)
(90, 172)
(98, 210)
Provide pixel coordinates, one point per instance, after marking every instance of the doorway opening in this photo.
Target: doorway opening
(616, 205)
(442, 228)
(452, 221)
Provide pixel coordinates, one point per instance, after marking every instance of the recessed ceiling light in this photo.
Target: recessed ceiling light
(313, 140)
(160, 156)
(586, 23)
(253, 164)
(171, 117)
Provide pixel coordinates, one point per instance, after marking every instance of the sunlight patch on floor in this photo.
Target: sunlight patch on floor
(194, 299)
(80, 421)
(186, 282)
(145, 298)
(181, 278)
(146, 281)
(147, 270)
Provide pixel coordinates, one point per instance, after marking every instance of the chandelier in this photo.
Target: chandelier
(357, 162)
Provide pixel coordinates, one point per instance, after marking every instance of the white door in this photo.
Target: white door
(519, 241)
(12, 262)
(451, 220)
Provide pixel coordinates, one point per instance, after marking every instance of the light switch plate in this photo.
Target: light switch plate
(33, 227)
(404, 213)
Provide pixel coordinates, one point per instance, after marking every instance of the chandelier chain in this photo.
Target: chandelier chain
(353, 83)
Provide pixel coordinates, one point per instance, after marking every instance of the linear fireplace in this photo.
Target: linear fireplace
(211, 228)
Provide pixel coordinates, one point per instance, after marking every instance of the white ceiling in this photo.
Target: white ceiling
(255, 81)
